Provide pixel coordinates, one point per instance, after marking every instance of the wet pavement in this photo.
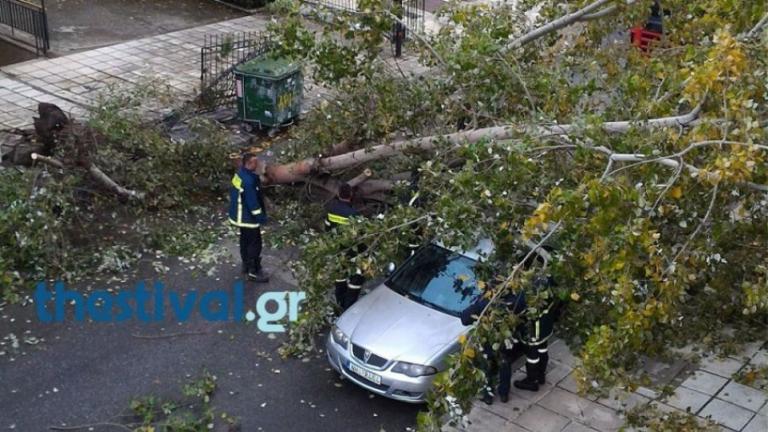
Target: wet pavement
(85, 24)
(10, 54)
(86, 373)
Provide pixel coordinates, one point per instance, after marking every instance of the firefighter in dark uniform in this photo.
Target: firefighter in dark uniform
(247, 212)
(507, 352)
(347, 290)
(535, 334)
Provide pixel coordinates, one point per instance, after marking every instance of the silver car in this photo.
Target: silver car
(394, 340)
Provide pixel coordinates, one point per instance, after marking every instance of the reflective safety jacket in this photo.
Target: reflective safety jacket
(339, 213)
(246, 204)
(539, 323)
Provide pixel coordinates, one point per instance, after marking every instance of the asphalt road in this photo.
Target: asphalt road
(86, 373)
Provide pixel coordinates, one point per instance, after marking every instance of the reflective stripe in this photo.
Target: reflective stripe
(256, 212)
(341, 280)
(543, 350)
(415, 197)
(538, 330)
(536, 343)
(243, 224)
(354, 286)
(532, 361)
(237, 182)
(337, 219)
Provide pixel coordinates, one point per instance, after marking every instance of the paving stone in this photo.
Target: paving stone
(662, 373)
(743, 396)
(688, 400)
(511, 427)
(647, 392)
(664, 408)
(620, 400)
(727, 414)
(481, 420)
(510, 410)
(723, 367)
(541, 420)
(760, 358)
(578, 427)
(583, 410)
(705, 382)
(759, 423)
(556, 371)
(559, 351)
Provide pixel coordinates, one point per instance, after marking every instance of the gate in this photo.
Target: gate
(219, 56)
(24, 21)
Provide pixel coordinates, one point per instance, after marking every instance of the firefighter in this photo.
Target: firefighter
(503, 358)
(347, 290)
(247, 212)
(536, 331)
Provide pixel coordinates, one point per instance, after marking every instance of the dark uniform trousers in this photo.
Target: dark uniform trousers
(250, 248)
(346, 290)
(535, 340)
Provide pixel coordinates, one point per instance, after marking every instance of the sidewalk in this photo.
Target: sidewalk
(73, 82)
(707, 390)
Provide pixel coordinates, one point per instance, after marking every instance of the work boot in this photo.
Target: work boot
(258, 276)
(504, 398)
(530, 382)
(488, 398)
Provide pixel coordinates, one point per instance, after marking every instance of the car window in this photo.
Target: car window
(438, 278)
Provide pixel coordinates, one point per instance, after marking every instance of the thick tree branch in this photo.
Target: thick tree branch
(562, 22)
(97, 174)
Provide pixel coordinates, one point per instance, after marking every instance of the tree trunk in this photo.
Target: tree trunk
(299, 171)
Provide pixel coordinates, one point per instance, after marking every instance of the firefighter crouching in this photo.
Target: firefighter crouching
(535, 334)
(347, 290)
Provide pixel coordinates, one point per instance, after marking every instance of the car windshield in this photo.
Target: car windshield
(438, 278)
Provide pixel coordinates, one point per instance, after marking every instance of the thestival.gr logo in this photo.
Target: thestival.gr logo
(104, 306)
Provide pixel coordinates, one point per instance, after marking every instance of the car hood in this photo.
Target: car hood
(394, 327)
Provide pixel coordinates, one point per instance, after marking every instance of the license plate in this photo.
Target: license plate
(370, 376)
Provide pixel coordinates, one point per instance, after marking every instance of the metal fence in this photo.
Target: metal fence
(219, 56)
(412, 16)
(26, 18)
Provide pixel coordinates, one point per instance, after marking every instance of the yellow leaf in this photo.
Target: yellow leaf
(676, 192)
(469, 353)
(481, 285)
(462, 339)
(575, 296)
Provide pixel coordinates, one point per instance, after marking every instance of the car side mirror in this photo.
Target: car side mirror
(390, 268)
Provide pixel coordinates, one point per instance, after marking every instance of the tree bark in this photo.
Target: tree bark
(299, 171)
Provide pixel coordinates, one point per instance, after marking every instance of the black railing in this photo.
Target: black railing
(219, 56)
(409, 12)
(29, 19)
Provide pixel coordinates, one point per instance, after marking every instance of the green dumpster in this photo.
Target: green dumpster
(269, 91)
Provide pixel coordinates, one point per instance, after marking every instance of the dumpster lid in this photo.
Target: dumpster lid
(268, 67)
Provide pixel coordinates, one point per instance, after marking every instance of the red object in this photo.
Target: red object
(643, 39)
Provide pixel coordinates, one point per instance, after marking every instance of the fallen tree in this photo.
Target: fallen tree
(651, 166)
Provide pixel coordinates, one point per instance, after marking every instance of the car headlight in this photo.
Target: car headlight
(339, 337)
(413, 370)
